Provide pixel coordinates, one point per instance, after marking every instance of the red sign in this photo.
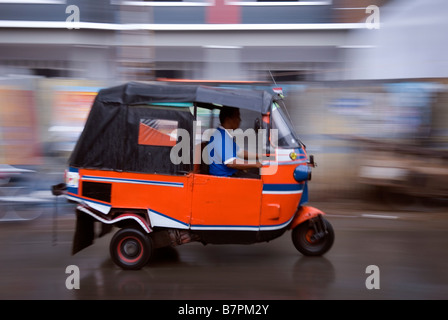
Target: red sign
(223, 11)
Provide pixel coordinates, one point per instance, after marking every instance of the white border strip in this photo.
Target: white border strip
(230, 3)
(180, 27)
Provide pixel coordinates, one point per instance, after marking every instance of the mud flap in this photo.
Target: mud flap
(304, 213)
(84, 232)
(105, 229)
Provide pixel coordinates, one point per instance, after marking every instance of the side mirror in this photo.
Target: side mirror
(311, 162)
(257, 125)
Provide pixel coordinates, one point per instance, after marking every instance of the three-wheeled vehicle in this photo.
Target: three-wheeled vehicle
(135, 167)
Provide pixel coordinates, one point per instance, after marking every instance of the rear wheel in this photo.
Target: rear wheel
(313, 237)
(130, 249)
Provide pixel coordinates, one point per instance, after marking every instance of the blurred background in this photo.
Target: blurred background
(365, 88)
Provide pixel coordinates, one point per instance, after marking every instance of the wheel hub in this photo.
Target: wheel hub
(131, 248)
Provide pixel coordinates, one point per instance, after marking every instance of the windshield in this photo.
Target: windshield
(287, 138)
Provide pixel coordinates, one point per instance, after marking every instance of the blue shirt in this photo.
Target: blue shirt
(222, 150)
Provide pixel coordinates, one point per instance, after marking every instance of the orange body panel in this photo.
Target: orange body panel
(199, 201)
(226, 202)
(285, 201)
(286, 205)
(166, 194)
(284, 174)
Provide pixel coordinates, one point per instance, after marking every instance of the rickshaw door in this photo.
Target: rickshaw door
(221, 203)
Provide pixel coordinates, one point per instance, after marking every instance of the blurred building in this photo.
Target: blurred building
(409, 45)
(118, 40)
(344, 80)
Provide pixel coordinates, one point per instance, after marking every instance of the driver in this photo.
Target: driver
(226, 157)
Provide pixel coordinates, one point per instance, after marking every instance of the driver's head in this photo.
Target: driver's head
(230, 117)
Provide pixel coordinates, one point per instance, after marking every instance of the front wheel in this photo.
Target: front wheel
(313, 237)
(130, 249)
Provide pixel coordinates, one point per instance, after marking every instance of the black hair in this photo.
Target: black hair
(227, 112)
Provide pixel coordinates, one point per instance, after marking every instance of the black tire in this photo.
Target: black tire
(130, 249)
(302, 239)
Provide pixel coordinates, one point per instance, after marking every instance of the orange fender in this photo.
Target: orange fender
(304, 213)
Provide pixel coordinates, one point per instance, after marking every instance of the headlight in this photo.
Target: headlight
(302, 173)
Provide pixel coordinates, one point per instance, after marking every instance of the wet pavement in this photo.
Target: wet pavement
(409, 248)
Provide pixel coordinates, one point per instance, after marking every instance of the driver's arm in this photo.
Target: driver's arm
(246, 155)
(240, 164)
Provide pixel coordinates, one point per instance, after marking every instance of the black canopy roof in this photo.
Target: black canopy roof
(110, 136)
(137, 93)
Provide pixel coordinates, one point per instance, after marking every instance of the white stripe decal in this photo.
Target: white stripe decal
(134, 181)
(243, 228)
(224, 227)
(103, 208)
(281, 188)
(120, 218)
(100, 207)
(283, 192)
(276, 227)
(160, 220)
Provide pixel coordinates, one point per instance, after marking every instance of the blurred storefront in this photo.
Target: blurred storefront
(117, 40)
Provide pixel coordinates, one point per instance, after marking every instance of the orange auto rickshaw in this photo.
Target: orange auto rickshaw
(122, 174)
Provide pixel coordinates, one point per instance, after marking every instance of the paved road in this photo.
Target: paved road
(410, 250)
